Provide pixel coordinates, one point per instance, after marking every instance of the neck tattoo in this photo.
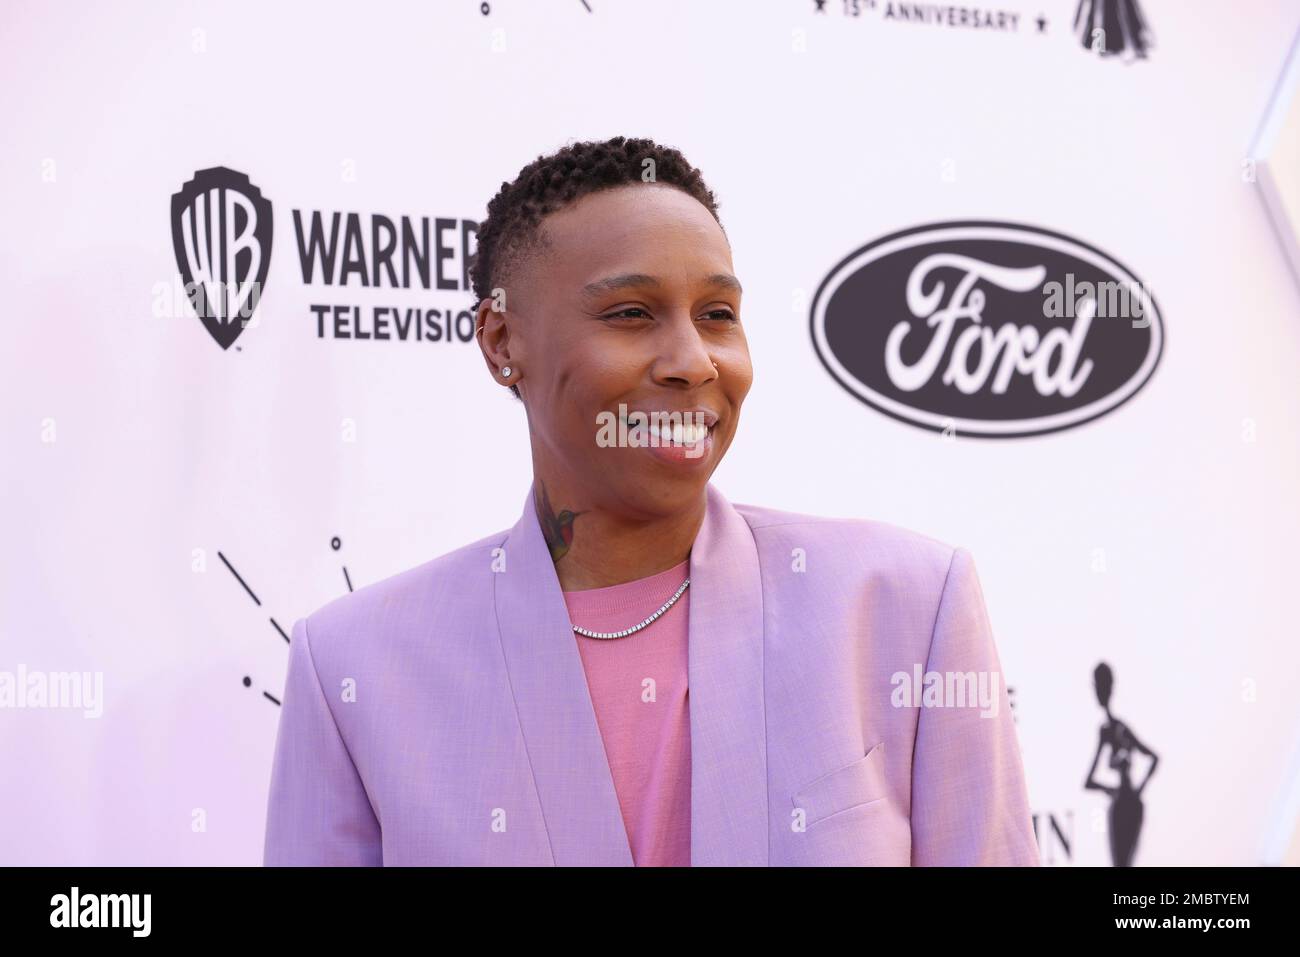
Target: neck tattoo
(557, 527)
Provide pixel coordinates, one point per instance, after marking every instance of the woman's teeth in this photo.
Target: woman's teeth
(669, 433)
(679, 434)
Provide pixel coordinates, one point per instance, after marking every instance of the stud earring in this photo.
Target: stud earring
(505, 372)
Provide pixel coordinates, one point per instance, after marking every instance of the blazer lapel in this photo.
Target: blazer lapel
(583, 820)
(584, 823)
(729, 814)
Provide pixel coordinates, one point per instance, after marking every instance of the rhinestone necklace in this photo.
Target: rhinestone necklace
(635, 628)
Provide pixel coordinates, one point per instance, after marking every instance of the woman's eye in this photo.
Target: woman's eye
(623, 313)
(636, 312)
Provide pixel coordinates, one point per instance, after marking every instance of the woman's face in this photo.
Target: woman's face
(632, 304)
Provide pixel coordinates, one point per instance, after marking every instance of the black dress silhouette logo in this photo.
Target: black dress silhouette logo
(221, 233)
(1124, 818)
(1113, 28)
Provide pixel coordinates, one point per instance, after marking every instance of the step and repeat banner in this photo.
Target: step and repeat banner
(1017, 277)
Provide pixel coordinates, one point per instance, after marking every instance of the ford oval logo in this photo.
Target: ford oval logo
(987, 329)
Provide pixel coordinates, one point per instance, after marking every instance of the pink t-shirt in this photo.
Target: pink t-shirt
(638, 686)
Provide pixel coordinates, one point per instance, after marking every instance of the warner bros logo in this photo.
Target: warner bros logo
(221, 231)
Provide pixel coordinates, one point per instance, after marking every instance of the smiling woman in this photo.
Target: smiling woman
(526, 699)
(605, 279)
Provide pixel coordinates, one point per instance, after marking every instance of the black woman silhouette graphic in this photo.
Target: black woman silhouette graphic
(1112, 27)
(1124, 819)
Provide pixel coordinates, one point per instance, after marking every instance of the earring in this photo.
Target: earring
(505, 372)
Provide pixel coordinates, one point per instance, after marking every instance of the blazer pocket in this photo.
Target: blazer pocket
(859, 782)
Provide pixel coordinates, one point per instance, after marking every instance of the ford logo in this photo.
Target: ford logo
(987, 329)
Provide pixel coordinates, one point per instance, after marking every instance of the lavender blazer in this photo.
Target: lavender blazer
(442, 717)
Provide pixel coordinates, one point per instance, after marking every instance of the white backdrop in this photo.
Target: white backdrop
(1159, 538)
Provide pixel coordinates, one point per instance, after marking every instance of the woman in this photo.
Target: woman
(639, 672)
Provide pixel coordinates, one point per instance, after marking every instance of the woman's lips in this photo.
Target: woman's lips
(684, 442)
(683, 456)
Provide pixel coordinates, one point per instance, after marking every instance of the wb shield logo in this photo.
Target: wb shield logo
(221, 231)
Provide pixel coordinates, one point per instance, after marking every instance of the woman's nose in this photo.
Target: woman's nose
(683, 355)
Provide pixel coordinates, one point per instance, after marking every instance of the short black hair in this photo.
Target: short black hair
(549, 183)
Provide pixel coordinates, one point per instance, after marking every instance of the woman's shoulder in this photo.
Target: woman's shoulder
(413, 596)
(870, 545)
(874, 534)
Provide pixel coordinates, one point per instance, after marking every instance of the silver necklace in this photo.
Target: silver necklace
(635, 628)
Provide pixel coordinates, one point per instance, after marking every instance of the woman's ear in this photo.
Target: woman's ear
(493, 333)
